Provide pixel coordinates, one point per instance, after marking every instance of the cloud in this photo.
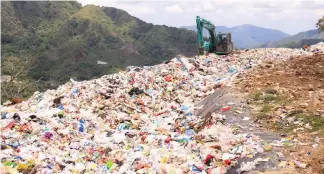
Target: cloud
(319, 12)
(139, 9)
(208, 5)
(196, 8)
(85, 2)
(313, 4)
(174, 9)
(222, 3)
(273, 16)
(289, 11)
(219, 11)
(290, 16)
(264, 4)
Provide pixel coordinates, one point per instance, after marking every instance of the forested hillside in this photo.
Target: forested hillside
(63, 40)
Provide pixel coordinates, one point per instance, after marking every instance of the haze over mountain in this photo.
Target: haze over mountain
(248, 36)
(298, 40)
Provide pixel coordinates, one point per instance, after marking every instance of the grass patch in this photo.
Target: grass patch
(270, 98)
(256, 96)
(295, 112)
(266, 108)
(263, 100)
(280, 126)
(262, 116)
(271, 91)
(264, 112)
(316, 121)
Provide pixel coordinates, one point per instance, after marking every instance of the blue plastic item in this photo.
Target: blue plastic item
(3, 115)
(190, 132)
(183, 68)
(75, 90)
(81, 126)
(183, 108)
(231, 70)
(207, 60)
(60, 107)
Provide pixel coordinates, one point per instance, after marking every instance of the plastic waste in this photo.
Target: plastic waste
(247, 166)
(101, 62)
(141, 120)
(225, 108)
(81, 125)
(300, 164)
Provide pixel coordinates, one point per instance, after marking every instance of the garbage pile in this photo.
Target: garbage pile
(141, 120)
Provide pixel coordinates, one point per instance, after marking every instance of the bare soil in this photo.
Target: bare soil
(296, 84)
(301, 79)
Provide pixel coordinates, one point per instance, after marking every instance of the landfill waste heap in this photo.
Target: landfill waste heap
(141, 120)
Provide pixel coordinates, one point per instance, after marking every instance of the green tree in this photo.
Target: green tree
(320, 24)
(14, 80)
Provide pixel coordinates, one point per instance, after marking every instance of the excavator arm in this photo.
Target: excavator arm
(202, 23)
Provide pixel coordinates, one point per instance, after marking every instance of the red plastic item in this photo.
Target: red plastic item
(24, 128)
(143, 138)
(160, 113)
(10, 125)
(227, 162)
(215, 146)
(142, 166)
(167, 140)
(132, 82)
(91, 150)
(168, 78)
(225, 108)
(208, 158)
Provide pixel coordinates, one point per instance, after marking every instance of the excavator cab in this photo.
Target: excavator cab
(224, 44)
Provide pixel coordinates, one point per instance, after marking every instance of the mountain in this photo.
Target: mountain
(66, 40)
(248, 36)
(298, 40)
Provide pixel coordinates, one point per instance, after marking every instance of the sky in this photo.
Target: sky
(289, 16)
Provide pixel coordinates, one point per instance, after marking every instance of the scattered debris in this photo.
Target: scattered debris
(285, 95)
(101, 62)
(136, 121)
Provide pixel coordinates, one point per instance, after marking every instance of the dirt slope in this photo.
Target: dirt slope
(288, 97)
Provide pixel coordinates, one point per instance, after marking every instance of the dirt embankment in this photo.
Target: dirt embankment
(288, 97)
(300, 78)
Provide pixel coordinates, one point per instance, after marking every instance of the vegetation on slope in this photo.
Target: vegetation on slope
(320, 24)
(64, 40)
